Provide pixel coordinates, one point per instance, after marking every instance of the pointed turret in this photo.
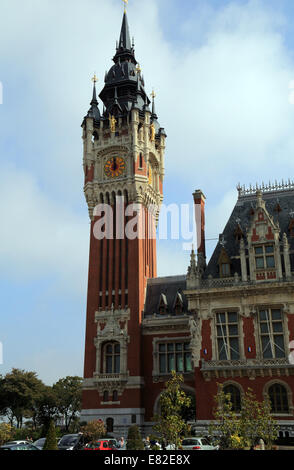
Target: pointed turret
(94, 110)
(125, 40)
(124, 49)
(124, 84)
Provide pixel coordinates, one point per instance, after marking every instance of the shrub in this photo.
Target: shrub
(134, 441)
(6, 432)
(94, 430)
(51, 441)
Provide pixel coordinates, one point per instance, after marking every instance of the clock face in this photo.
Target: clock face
(114, 167)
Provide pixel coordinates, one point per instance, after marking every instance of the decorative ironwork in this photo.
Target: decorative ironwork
(265, 188)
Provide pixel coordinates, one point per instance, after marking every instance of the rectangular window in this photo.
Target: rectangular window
(271, 333)
(227, 332)
(225, 269)
(264, 256)
(174, 356)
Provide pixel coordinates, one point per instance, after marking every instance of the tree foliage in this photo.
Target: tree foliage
(19, 391)
(239, 431)
(24, 396)
(51, 441)
(134, 440)
(69, 395)
(94, 430)
(173, 400)
(6, 432)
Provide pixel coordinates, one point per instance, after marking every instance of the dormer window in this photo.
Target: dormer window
(224, 263)
(225, 270)
(264, 256)
(178, 307)
(163, 306)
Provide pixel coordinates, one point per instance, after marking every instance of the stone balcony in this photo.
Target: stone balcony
(110, 382)
(250, 368)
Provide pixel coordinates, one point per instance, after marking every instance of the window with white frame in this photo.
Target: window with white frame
(227, 336)
(174, 356)
(271, 333)
(264, 256)
(111, 358)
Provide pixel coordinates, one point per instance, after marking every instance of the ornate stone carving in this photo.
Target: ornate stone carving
(112, 326)
(195, 344)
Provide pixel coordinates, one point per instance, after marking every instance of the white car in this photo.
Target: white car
(16, 443)
(197, 443)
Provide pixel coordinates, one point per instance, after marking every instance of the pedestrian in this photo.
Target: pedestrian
(261, 444)
(121, 442)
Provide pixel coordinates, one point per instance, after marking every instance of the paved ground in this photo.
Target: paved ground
(286, 447)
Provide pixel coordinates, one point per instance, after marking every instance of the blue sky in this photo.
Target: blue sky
(221, 71)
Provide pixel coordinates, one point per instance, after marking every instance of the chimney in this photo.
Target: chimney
(199, 206)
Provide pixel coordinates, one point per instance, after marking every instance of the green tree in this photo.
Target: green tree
(6, 432)
(256, 420)
(45, 408)
(94, 430)
(18, 391)
(51, 440)
(134, 440)
(170, 425)
(243, 430)
(69, 396)
(227, 425)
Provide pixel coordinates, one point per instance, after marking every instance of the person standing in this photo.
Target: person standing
(261, 444)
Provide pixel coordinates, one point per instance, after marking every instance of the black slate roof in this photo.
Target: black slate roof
(169, 287)
(279, 204)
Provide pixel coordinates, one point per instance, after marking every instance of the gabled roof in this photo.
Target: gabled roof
(280, 206)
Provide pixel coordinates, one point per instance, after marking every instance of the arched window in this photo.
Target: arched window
(109, 425)
(115, 395)
(105, 395)
(111, 358)
(235, 395)
(279, 398)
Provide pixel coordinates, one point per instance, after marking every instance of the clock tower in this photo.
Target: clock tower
(123, 164)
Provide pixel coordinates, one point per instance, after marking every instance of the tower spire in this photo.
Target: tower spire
(124, 48)
(153, 95)
(125, 40)
(94, 110)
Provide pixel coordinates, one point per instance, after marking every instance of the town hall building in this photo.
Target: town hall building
(230, 320)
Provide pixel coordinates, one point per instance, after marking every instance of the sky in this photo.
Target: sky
(222, 73)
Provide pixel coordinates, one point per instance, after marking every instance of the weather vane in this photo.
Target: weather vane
(94, 79)
(125, 2)
(153, 95)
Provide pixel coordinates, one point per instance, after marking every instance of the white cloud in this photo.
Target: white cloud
(39, 236)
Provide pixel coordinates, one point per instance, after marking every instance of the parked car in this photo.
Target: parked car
(100, 445)
(72, 442)
(198, 443)
(23, 446)
(40, 443)
(113, 442)
(18, 442)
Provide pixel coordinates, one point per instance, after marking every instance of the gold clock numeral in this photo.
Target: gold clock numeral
(114, 167)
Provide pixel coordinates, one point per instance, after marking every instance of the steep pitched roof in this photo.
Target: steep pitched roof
(168, 288)
(280, 206)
